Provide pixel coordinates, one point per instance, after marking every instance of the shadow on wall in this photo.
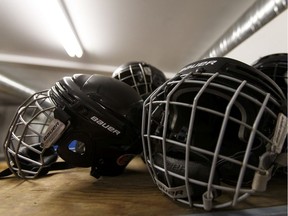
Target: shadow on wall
(6, 115)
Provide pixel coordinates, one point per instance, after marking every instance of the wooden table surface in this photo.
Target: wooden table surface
(75, 192)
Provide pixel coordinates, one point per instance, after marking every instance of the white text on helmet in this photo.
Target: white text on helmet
(54, 131)
(174, 192)
(105, 125)
(199, 64)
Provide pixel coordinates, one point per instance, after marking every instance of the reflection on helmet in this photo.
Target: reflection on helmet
(275, 66)
(80, 119)
(142, 77)
(204, 131)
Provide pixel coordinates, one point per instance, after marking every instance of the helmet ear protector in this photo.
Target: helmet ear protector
(211, 130)
(82, 119)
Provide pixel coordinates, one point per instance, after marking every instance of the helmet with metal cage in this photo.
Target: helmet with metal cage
(212, 133)
(79, 119)
(142, 77)
(275, 66)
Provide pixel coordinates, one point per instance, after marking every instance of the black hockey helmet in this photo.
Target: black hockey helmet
(275, 66)
(142, 77)
(215, 128)
(88, 120)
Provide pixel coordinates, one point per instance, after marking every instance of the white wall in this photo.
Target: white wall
(271, 38)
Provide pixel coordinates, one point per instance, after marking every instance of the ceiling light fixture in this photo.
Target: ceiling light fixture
(65, 30)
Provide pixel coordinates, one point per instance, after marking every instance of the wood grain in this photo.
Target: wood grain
(75, 192)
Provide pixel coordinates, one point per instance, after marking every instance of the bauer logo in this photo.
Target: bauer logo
(199, 64)
(105, 125)
(173, 192)
(54, 131)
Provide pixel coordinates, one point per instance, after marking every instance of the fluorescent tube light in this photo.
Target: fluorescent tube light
(65, 29)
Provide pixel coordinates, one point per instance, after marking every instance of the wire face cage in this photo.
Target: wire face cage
(23, 148)
(203, 135)
(138, 76)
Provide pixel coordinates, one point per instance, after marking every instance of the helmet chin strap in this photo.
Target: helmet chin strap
(5, 173)
(50, 163)
(52, 167)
